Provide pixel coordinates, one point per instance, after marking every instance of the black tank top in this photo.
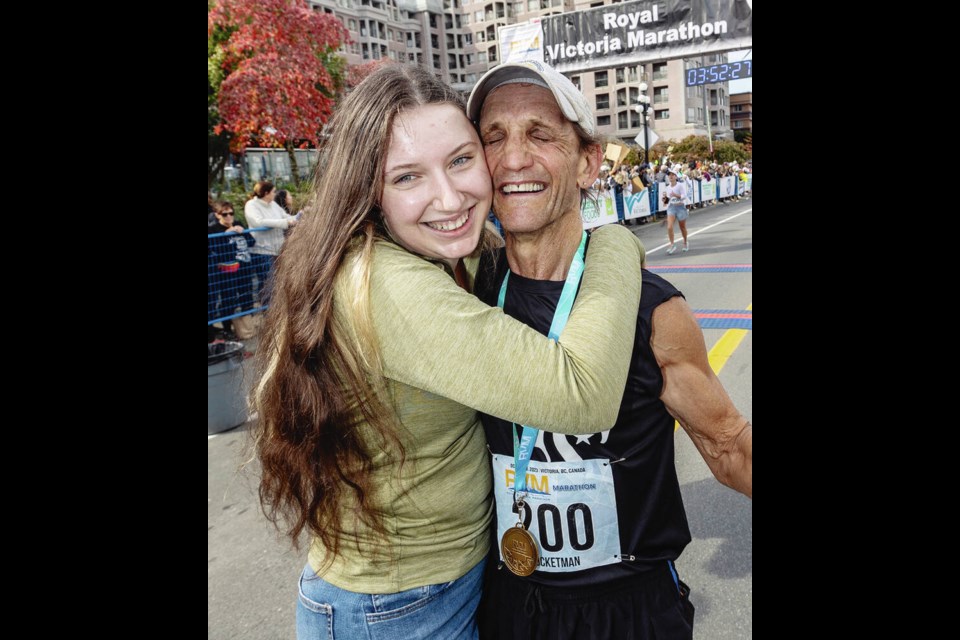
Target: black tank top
(652, 521)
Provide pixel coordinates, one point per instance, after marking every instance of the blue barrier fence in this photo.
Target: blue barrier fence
(236, 278)
(612, 207)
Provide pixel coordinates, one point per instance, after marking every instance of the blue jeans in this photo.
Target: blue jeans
(433, 612)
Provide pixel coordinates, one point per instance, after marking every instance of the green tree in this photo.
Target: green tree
(218, 141)
(745, 138)
(698, 148)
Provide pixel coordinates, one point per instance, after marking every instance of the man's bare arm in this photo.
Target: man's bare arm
(694, 396)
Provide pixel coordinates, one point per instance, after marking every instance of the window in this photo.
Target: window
(603, 101)
(622, 120)
(634, 119)
(659, 70)
(737, 108)
(662, 114)
(352, 24)
(482, 56)
(600, 79)
(478, 16)
(533, 5)
(603, 121)
(492, 54)
(468, 38)
(620, 76)
(436, 61)
(660, 95)
(621, 98)
(576, 81)
(691, 114)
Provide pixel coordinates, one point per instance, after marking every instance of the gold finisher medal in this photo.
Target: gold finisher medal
(519, 550)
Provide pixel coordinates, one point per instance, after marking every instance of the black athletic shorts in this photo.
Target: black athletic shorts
(649, 605)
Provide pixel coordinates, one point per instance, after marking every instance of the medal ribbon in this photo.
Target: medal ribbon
(523, 447)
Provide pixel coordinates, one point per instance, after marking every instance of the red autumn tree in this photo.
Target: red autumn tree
(278, 72)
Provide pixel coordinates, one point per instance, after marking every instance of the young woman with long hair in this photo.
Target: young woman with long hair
(374, 359)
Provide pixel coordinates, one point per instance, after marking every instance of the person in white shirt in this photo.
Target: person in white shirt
(262, 211)
(676, 209)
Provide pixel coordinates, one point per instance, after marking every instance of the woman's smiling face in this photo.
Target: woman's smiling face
(436, 189)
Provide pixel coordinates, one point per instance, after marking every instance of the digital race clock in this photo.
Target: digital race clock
(720, 72)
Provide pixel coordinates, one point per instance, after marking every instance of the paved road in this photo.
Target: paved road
(252, 572)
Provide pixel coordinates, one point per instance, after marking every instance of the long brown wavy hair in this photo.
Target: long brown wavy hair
(315, 385)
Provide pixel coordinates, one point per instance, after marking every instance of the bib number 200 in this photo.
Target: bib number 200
(550, 525)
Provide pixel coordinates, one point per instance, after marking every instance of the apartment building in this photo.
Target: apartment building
(458, 40)
(741, 111)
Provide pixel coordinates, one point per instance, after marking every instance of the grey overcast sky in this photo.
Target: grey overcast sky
(745, 85)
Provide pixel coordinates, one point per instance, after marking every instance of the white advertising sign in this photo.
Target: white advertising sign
(594, 216)
(521, 42)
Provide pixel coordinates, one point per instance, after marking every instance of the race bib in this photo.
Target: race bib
(570, 508)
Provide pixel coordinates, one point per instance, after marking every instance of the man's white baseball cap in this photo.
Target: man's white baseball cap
(572, 102)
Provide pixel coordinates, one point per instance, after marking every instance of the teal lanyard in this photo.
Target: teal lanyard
(523, 448)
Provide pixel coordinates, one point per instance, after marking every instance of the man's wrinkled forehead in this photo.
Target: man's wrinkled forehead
(512, 101)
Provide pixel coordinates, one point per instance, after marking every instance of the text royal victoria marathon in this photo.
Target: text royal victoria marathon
(635, 37)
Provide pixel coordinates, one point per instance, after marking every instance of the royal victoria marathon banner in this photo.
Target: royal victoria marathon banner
(640, 31)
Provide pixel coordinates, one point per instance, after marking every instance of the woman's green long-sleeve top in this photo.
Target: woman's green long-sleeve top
(447, 355)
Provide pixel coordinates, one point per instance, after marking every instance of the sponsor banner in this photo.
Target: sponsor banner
(727, 186)
(605, 213)
(688, 186)
(661, 189)
(741, 186)
(643, 31)
(521, 42)
(636, 205)
(708, 190)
